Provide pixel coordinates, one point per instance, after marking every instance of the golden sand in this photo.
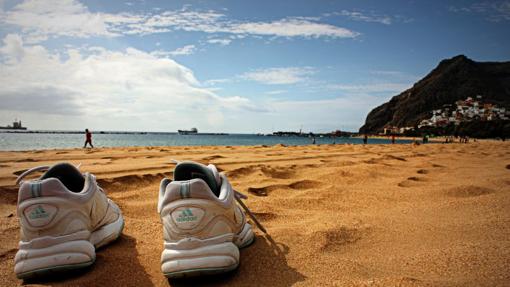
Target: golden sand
(377, 215)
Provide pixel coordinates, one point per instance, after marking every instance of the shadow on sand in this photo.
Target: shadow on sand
(116, 265)
(262, 264)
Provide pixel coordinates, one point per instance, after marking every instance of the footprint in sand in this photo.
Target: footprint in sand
(26, 160)
(468, 191)
(274, 154)
(297, 185)
(411, 181)
(213, 157)
(241, 172)
(278, 172)
(422, 171)
(264, 191)
(258, 191)
(337, 238)
(305, 184)
(389, 156)
(120, 183)
(508, 166)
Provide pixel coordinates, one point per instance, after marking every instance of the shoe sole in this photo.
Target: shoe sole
(40, 261)
(206, 260)
(207, 271)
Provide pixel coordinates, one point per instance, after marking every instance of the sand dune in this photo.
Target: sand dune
(346, 215)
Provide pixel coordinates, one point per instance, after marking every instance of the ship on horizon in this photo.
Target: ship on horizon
(16, 125)
(192, 131)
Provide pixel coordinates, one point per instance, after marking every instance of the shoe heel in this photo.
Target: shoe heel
(209, 259)
(52, 254)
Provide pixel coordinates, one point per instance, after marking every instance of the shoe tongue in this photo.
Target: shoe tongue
(68, 174)
(189, 170)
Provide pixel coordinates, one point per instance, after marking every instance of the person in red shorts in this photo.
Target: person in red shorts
(88, 138)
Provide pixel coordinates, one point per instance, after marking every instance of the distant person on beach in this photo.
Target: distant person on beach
(392, 139)
(88, 138)
(365, 139)
(313, 140)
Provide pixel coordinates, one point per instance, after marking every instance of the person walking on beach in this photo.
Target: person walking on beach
(365, 139)
(392, 138)
(88, 138)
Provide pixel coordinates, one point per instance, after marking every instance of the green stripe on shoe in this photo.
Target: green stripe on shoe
(35, 189)
(184, 190)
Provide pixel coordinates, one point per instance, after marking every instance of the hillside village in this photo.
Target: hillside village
(465, 111)
(461, 111)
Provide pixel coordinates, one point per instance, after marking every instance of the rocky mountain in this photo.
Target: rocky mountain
(453, 79)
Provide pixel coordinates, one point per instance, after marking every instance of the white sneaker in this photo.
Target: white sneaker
(64, 217)
(203, 227)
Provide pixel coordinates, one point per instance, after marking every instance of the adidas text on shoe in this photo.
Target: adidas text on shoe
(64, 216)
(203, 227)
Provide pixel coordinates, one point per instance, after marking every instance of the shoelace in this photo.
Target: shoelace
(29, 171)
(34, 169)
(239, 197)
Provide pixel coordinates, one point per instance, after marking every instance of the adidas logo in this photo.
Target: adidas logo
(186, 216)
(38, 212)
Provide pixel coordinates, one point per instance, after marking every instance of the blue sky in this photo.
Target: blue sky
(229, 66)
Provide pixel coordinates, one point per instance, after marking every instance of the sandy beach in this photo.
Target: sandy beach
(342, 215)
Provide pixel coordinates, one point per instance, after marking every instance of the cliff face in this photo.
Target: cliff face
(453, 79)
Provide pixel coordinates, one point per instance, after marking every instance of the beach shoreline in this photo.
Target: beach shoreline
(344, 214)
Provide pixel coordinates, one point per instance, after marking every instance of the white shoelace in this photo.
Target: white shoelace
(239, 196)
(29, 171)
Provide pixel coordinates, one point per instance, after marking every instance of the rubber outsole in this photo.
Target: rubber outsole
(52, 270)
(64, 268)
(188, 273)
(247, 243)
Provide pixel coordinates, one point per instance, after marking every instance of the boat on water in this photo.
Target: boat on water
(192, 131)
(16, 125)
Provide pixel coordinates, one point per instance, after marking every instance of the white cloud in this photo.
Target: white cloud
(214, 82)
(12, 48)
(222, 42)
(182, 51)
(279, 76)
(186, 50)
(39, 20)
(292, 27)
(365, 17)
(104, 88)
(495, 11)
(276, 92)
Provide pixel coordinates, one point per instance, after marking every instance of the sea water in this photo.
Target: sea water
(55, 140)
